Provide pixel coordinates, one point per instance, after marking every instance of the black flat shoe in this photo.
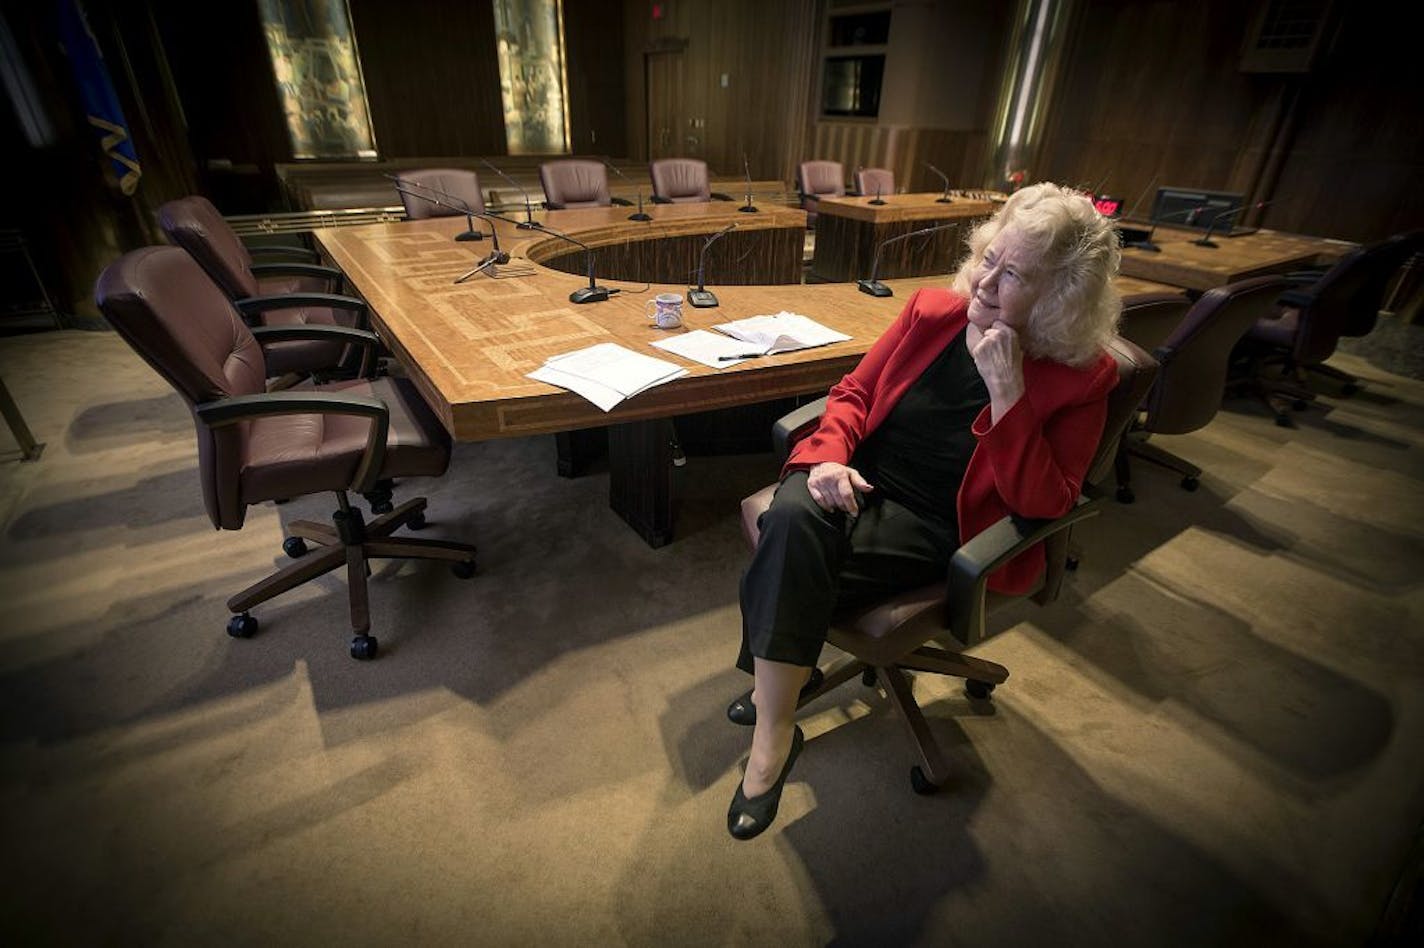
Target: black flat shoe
(743, 712)
(749, 817)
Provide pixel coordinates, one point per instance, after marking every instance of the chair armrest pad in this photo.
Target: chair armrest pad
(229, 411)
(972, 564)
(303, 253)
(261, 304)
(794, 425)
(296, 269)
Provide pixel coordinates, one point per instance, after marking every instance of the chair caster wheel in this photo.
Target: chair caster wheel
(1125, 495)
(382, 507)
(242, 627)
(868, 678)
(1284, 421)
(1071, 564)
(1300, 404)
(1190, 483)
(920, 783)
(978, 690)
(417, 521)
(363, 648)
(463, 570)
(1348, 389)
(295, 547)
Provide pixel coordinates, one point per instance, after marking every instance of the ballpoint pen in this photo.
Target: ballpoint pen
(744, 355)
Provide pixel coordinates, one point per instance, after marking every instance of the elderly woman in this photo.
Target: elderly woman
(980, 401)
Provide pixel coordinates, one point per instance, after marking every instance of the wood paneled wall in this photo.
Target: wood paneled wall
(1153, 94)
(960, 155)
(766, 51)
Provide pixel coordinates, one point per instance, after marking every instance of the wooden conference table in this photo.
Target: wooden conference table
(1183, 263)
(468, 346)
(849, 229)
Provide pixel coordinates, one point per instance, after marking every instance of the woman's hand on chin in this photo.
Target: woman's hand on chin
(833, 486)
(999, 358)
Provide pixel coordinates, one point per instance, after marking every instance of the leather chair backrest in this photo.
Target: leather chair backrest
(1135, 372)
(164, 306)
(195, 225)
(821, 178)
(575, 182)
(1149, 318)
(1196, 356)
(681, 180)
(459, 183)
(1350, 295)
(873, 181)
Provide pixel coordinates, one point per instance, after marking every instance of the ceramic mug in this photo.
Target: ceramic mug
(666, 311)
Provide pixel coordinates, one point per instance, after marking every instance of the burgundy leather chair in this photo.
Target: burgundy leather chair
(269, 294)
(255, 445)
(461, 184)
(1315, 314)
(818, 179)
(682, 181)
(870, 182)
(893, 637)
(574, 182)
(1194, 359)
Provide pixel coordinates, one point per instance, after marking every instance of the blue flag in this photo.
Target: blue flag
(96, 93)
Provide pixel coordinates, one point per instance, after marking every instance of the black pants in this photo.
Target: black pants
(810, 563)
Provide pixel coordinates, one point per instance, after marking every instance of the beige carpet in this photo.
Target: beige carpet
(1214, 738)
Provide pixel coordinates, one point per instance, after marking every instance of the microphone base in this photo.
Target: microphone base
(873, 287)
(470, 235)
(1205, 242)
(944, 200)
(1143, 245)
(877, 202)
(589, 294)
(527, 225)
(640, 216)
(702, 299)
(749, 208)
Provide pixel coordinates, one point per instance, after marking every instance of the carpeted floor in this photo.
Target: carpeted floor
(1213, 738)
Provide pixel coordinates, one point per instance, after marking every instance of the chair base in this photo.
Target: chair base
(931, 771)
(1135, 444)
(351, 542)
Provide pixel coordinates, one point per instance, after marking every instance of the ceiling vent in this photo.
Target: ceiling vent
(1286, 36)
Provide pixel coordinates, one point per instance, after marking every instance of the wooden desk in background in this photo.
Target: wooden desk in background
(467, 347)
(1185, 264)
(848, 229)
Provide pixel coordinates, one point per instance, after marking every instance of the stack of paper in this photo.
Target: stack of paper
(780, 332)
(606, 374)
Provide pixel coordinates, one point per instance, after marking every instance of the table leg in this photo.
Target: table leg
(640, 477)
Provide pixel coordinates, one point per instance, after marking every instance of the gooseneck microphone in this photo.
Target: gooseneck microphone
(747, 208)
(593, 293)
(873, 286)
(528, 205)
(461, 206)
(943, 198)
(702, 297)
(1188, 214)
(1205, 239)
(638, 215)
(495, 256)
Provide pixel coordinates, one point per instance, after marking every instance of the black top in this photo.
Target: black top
(920, 452)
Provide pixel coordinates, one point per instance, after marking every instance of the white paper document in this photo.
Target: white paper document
(606, 374)
(710, 348)
(780, 332)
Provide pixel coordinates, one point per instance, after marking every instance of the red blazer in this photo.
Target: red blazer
(1031, 463)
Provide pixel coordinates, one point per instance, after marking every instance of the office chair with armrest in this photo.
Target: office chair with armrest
(872, 181)
(682, 181)
(459, 183)
(892, 637)
(818, 179)
(285, 290)
(576, 182)
(255, 445)
(1193, 363)
(1306, 328)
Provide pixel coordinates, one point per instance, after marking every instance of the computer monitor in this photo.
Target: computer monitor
(1196, 209)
